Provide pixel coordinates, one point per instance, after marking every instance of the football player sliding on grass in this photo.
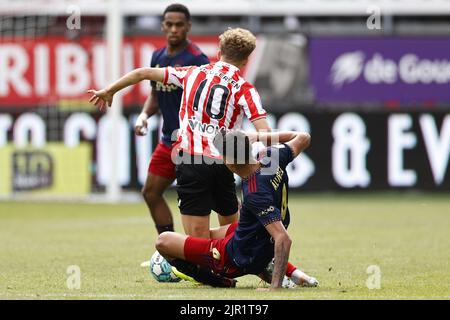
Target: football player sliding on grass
(260, 236)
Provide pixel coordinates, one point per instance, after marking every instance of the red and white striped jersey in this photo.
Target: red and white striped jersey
(215, 96)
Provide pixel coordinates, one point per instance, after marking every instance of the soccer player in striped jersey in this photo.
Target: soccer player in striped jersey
(215, 97)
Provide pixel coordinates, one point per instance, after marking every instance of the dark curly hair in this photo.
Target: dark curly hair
(177, 7)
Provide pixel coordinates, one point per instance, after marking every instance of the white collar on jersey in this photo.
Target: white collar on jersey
(220, 62)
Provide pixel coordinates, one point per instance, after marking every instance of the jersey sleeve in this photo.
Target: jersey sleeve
(176, 75)
(250, 102)
(262, 208)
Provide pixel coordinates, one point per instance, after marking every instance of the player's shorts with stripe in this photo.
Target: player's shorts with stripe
(212, 253)
(161, 163)
(205, 187)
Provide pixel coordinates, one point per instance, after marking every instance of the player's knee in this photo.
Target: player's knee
(224, 220)
(163, 242)
(149, 194)
(144, 191)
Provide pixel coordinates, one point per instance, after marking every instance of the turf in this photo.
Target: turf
(335, 238)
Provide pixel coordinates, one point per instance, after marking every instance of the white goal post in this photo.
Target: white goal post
(114, 37)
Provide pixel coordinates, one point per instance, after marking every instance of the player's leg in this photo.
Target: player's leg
(196, 226)
(161, 174)
(222, 231)
(225, 199)
(152, 191)
(299, 277)
(219, 232)
(171, 245)
(187, 254)
(227, 220)
(195, 198)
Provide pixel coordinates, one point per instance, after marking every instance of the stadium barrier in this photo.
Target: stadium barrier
(349, 151)
(53, 143)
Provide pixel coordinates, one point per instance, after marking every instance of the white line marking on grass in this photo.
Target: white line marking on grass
(90, 295)
(258, 296)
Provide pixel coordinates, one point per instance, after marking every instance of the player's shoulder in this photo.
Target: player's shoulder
(158, 53)
(193, 49)
(194, 56)
(245, 86)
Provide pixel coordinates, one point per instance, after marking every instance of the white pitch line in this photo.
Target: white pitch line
(183, 296)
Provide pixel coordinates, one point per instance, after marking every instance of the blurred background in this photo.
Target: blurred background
(370, 80)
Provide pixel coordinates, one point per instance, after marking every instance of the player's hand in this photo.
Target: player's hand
(140, 127)
(101, 99)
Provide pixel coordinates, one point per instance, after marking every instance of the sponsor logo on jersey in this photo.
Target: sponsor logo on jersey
(277, 179)
(266, 211)
(204, 129)
(166, 87)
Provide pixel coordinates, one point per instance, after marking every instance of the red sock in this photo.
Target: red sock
(290, 269)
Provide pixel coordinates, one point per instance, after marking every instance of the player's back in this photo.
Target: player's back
(215, 96)
(265, 201)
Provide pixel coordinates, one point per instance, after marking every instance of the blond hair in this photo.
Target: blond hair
(237, 44)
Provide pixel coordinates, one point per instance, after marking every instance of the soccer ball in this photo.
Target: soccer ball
(161, 270)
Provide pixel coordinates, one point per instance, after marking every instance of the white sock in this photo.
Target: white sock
(299, 276)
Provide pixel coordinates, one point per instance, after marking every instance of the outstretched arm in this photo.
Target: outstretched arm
(103, 98)
(282, 249)
(297, 141)
(261, 125)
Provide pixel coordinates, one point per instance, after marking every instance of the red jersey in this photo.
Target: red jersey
(215, 96)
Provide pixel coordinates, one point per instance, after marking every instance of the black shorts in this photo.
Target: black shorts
(205, 187)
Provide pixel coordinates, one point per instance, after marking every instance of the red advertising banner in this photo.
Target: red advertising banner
(54, 70)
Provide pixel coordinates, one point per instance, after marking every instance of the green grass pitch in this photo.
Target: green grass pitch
(336, 237)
